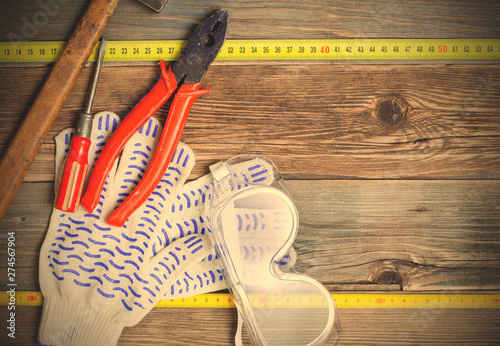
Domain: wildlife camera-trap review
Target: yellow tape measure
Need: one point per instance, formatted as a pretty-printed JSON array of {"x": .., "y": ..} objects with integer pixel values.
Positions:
[
  {"x": 343, "y": 49},
  {"x": 343, "y": 300}
]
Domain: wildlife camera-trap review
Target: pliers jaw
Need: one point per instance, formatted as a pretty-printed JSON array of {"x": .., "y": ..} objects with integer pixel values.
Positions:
[{"x": 201, "y": 49}]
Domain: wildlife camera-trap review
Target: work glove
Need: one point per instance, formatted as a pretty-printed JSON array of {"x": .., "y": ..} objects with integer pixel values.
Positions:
[{"x": 97, "y": 279}]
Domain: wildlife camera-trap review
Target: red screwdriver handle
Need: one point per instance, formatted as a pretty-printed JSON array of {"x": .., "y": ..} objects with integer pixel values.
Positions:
[
  {"x": 148, "y": 106},
  {"x": 73, "y": 175},
  {"x": 176, "y": 120}
]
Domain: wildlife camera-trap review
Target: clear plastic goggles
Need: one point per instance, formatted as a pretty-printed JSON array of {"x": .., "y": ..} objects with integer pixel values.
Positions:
[{"x": 253, "y": 225}]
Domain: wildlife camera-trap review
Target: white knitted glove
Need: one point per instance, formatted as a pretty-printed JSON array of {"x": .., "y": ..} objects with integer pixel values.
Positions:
[{"x": 97, "y": 279}]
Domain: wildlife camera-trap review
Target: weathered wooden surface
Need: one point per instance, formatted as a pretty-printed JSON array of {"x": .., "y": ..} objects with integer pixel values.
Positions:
[
  {"x": 263, "y": 19},
  {"x": 359, "y": 327},
  {"x": 420, "y": 235},
  {"x": 315, "y": 121},
  {"x": 394, "y": 167}
]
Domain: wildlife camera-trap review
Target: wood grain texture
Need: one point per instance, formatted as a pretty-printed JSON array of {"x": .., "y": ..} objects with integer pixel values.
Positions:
[
  {"x": 421, "y": 235},
  {"x": 259, "y": 19},
  {"x": 407, "y": 201},
  {"x": 314, "y": 121},
  {"x": 414, "y": 233},
  {"x": 174, "y": 326},
  {"x": 392, "y": 327}
]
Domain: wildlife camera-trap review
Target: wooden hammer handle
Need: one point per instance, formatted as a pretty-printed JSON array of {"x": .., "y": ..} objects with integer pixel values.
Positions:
[{"x": 37, "y": 123}]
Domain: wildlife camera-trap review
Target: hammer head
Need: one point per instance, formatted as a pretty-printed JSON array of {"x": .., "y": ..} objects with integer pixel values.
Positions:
[{"x": 156, "y": 5}]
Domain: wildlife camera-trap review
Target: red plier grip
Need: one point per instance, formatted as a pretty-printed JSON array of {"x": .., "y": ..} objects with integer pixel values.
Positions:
[
  {"x": 176, "y": 120},
  {"x": 148, "y": 106}
]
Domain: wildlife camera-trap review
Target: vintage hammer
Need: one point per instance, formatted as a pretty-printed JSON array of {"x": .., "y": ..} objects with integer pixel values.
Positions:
[{"x": 44, "y": 110}]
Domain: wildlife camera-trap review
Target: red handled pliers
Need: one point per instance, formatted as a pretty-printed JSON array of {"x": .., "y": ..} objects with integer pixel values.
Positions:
[{"x": 184, "y": 76}]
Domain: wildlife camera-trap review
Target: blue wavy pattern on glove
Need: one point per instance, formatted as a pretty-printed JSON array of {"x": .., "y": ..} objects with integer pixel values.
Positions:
[{"x": 110, "y": 261}]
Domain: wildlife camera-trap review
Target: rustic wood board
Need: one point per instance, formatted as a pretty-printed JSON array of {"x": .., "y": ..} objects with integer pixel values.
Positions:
[
  {"x": 421, "y": 235},
  {"x": 394, "y": 167},
  {"x": 262, "y": 19},
  {"x": 325, "y": 126}
]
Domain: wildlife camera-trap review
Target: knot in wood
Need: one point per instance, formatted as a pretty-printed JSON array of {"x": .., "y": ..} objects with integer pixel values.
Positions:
[
  {"x": 392, "y": 111},
  {"x": 389, "y": 277}
]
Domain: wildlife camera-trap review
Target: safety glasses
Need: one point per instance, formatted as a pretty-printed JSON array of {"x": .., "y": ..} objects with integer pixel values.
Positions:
[{"x": 253, "y": 226}]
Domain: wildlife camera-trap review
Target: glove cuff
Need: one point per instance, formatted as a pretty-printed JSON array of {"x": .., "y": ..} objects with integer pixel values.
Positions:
[{"x": 73, "y": 323}]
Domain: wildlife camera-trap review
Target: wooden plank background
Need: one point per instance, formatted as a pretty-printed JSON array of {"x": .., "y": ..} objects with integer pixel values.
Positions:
[{"x": 394, "y": 167}]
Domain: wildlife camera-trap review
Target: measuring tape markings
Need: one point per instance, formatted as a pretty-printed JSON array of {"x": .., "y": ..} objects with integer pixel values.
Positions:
[
  {"x": 343, "y": 300},
  {"x": 234, "y": 50}
]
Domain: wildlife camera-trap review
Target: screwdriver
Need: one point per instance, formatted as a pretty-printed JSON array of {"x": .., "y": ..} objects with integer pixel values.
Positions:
[{"x": 76, "y": 165}]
